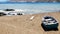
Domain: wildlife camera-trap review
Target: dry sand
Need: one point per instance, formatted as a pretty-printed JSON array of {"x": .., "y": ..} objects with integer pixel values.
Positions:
[{"x": 23, "y": 25}]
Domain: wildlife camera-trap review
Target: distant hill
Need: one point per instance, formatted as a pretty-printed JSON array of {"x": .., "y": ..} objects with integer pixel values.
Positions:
[{"x": 34, "y": 0}]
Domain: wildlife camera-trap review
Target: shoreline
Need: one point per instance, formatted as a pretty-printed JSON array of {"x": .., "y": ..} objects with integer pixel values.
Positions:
[{"x": 23, "y": 25}]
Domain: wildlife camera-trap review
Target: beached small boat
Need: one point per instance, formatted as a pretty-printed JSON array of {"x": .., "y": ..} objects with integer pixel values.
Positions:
[{"x": 49, "y": 22}]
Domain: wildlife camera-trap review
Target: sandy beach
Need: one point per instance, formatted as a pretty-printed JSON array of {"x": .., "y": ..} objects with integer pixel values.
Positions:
[{"x": 24, "y": 25}]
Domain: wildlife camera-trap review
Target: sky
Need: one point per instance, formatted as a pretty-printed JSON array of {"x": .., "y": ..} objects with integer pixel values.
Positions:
[{"x": 3, "y": 0}]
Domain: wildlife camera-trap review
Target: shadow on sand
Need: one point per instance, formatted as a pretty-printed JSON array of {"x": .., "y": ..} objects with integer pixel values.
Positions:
[{"x": 56, "y": 29}]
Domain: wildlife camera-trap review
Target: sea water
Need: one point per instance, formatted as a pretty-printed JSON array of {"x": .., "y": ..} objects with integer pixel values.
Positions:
[{"x": 32, "y": 8}]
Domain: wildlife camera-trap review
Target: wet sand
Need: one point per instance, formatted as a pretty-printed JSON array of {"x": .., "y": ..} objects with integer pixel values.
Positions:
[{"x": 24, "y": 25}]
